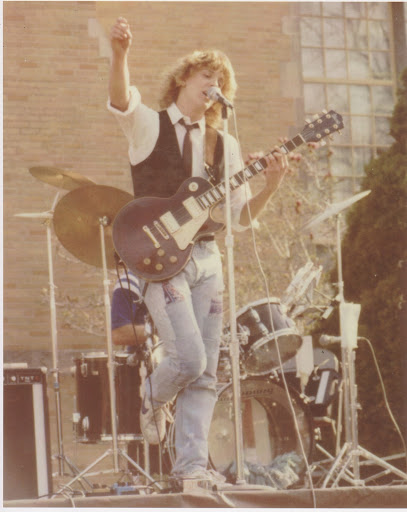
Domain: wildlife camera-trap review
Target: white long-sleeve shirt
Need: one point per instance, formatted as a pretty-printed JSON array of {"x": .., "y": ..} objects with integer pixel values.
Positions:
[{"x": 141, "y": 126}]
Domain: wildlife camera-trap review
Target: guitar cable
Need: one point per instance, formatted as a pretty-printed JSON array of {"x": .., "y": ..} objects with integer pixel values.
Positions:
[{"x": 260, "y": 266}]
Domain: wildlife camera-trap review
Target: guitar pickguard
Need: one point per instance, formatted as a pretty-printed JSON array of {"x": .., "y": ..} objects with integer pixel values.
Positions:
[{"x": 186, "y": 233}]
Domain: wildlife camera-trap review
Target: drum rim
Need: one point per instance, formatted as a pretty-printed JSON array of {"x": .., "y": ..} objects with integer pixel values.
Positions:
[
  {"x": 272, "y": 300},
  {"x": 93, "y": 355},
  {"x": 273, "y": 335},
  {"x": 295, "y": 396}
]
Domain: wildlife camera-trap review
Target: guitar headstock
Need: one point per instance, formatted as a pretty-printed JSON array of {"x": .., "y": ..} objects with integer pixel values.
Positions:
[{"x": 323, "y": 126}]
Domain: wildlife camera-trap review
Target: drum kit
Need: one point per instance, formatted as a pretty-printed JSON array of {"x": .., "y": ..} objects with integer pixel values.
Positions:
[
  {"x": 109, "y": 385},
  {"x": 82, "y": 221}
]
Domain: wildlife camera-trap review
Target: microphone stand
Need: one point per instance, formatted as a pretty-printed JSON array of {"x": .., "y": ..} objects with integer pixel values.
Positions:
[
  {"x": 347, "y": 464},
  {"x": 234, "y": 342}
]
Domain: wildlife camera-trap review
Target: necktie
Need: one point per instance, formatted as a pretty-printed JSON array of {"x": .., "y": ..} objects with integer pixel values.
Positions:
[{"x": 187, "y": 147}]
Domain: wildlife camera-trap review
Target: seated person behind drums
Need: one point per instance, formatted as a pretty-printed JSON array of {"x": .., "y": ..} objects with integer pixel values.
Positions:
[{"x": 128, "y": 313}]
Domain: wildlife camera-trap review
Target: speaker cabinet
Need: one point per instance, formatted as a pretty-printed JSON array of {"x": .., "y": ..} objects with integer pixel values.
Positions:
[{"x": 26, "y": 440}]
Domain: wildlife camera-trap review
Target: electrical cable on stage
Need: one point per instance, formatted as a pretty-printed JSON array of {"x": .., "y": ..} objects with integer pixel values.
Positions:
[
  {"x": 385, "y": 395},
  {"x": 308, "y": 472}
]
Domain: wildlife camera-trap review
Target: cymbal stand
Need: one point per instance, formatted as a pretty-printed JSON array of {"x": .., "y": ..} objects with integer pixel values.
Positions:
[
  {"x": 115, "y": 450},
  {"x": 234, "y": 342},
  {"x": 48, "y": 216},
  {"x": 351, "y": 452}
]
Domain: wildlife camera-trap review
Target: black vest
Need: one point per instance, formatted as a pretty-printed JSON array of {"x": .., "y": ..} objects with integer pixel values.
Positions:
[{"x": 162, "y": 173}]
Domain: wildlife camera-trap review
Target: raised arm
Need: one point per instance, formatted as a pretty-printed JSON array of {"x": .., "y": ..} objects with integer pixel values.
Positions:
[{"x": 119, "y": 82}]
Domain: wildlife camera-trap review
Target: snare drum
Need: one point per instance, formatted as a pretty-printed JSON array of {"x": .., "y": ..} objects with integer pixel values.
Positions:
[
  {"x": 93, "y": 397},
  {"x": 263, "y": 330}
]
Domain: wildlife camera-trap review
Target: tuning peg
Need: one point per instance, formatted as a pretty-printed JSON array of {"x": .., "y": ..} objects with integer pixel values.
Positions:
[
  {"x": 325, "y": 111},
  {"x": 308, "y": 121},
  {"x": 315, "y": 116}
]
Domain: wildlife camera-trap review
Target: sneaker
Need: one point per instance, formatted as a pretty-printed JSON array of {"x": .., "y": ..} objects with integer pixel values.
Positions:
[
  {"x": 214, "y": 479},
  {"x": 152, "y": 422}
]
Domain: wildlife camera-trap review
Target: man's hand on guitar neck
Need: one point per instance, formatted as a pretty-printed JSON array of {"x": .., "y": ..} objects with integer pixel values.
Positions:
[{"x": 277, "y": 166}]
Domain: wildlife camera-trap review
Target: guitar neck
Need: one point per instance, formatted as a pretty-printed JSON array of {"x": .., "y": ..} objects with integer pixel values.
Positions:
[{"x": 218, "y": 192}]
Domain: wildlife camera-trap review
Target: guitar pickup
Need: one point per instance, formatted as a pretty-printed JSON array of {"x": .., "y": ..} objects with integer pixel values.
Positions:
[
  {"x": 192, "y": 206},
  {"x": 170, "y": 222}
]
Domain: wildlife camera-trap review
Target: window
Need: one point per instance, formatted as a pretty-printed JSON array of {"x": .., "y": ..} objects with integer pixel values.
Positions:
[{"x": 347, "y": 65}]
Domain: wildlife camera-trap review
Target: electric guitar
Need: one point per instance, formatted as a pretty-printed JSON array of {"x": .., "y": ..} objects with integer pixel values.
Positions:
[{"x": 154, "y": 236}]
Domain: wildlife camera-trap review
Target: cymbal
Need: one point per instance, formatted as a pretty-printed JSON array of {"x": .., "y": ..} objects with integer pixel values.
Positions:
[
  {"x": 334, "y": 209},
  {"x": 78, "y": 217},
  {"x": 67, "y": 180}
]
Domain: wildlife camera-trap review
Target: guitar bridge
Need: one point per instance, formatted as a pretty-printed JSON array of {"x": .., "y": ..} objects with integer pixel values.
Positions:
[{"x": 161, "y": 230}]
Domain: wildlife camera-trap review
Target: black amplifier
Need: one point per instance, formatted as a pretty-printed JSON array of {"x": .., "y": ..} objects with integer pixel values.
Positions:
[{"x": 26, "y": 438}]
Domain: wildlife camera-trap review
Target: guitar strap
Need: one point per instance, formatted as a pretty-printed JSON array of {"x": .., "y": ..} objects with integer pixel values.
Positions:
[{"x": 213, "y": 155}]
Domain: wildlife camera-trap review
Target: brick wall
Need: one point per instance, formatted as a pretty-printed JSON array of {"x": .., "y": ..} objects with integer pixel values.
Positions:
[{"x": 55, "y": 88}]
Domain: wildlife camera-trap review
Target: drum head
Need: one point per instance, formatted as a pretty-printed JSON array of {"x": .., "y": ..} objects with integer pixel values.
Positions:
[
  {"x": 266, "y": 326},
  {"x": 262, "y": 357},
  {"x": 267, "y": 424}
]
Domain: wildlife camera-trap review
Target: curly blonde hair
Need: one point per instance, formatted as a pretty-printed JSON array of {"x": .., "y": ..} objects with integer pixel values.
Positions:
[{"x": 215, "y": 61}]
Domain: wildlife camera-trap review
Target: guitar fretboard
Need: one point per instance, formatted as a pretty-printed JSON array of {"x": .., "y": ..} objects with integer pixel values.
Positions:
[{"x": 216, "y": 194}]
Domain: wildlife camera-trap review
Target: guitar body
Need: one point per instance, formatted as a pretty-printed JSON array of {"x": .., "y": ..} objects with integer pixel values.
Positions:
[{"x": 155, "y": 236}]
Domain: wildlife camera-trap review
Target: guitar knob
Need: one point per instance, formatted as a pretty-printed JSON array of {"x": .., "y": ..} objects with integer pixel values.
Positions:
[
  {"x": 160, "y": 252},
  {"x": 146, "y": 261},
  {"x": 159, "y": 266},
  {"x": 173, "y": 259}
]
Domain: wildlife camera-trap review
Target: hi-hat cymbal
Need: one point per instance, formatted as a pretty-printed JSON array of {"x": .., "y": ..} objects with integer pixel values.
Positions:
[
  {"x": 77, "y": 220},
  {"x": 67, "y": 180},
  {"x": 334, "y": 209}
]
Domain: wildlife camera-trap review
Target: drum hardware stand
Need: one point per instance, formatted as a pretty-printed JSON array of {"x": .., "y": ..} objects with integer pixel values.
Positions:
[
  {"x": 60, "y": 456},
  {"x": 115, "y": 451},
  {"x": 349, "y": 455},
  {"x": 234, "y": 342}
]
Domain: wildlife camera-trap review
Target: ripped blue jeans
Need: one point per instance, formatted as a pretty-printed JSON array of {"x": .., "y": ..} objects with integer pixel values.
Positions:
[{"x": 187, "y": 312}]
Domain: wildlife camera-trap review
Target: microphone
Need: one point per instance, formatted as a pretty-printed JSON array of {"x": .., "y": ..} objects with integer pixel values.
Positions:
[
  {"x": 214, "y": 93},
  {"x": 326, "y": 340}
]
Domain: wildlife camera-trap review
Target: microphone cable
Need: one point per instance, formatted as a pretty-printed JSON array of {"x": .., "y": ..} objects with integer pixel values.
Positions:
[
  {"x": 385, "y": 395},
  {"x": 260, "y": 266}
]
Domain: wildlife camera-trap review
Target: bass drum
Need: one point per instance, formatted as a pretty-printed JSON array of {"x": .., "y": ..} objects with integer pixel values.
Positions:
[{"x": 267, "y": 424}]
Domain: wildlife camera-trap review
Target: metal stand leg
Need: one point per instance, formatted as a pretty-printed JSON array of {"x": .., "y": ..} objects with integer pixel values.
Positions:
[
  {"x": 351, "y": 452},
  {"x": 115, "y": 451},
  {"x": 54, "y": 371}
]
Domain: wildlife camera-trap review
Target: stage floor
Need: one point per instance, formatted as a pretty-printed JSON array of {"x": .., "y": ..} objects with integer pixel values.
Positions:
[{"x": 238, "y": 497}]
